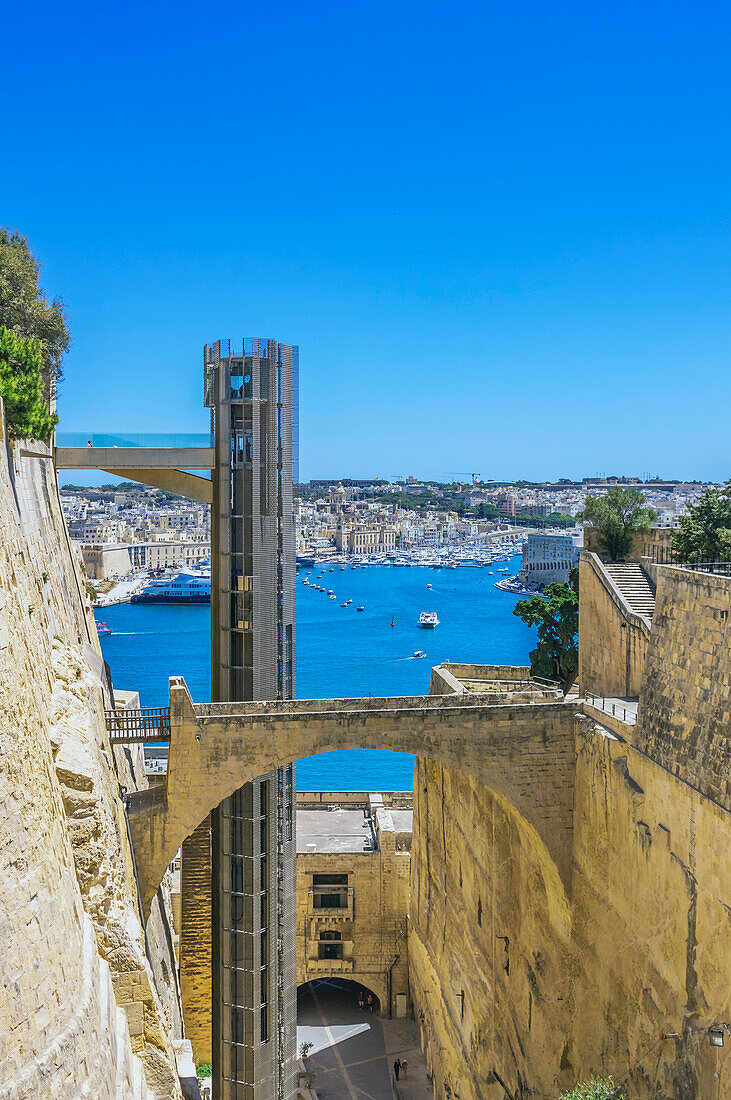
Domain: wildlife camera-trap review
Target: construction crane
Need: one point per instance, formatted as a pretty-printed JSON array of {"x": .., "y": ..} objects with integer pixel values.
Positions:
[{"x": 464, "y": 473}]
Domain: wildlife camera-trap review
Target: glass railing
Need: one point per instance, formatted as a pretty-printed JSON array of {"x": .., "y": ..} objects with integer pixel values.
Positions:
[{"x": 134, "y": 439}]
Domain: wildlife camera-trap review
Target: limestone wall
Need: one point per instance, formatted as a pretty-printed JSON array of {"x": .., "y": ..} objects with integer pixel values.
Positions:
[
  {"x": 525, "y": 990},
  {"x": 613, "y": 640},
  {"x": 79, "y": 1007},
  {"x": 684, "y": 719}
]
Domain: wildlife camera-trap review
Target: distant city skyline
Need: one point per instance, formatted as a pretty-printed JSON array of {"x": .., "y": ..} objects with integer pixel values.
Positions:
[{"x": 499, "y": 235}]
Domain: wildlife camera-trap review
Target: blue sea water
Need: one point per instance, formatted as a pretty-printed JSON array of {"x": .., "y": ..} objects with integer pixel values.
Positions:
[{"x": 341, "y": 652}]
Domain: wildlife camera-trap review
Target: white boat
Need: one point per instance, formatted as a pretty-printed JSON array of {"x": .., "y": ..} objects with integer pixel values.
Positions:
[
  {"x": 419, "y": 653},
  {"x": 332, "y": 597},
  {"x": 428, "y": 619},
  {"x": 103, "y": 629},
  {"x": 360, "y": 609}
]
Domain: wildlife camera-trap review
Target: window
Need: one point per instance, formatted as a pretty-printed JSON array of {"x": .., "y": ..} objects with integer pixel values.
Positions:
[{"x": 330, "y": 946}]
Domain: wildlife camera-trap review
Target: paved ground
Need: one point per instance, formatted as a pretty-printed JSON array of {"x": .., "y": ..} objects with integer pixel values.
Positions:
[{"x": 354, "y": 1051}]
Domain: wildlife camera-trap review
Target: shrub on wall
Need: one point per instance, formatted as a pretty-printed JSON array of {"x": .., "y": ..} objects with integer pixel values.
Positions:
[
  {"x": 21, "y": 387},
  {"x": 597, "y": 1088}
]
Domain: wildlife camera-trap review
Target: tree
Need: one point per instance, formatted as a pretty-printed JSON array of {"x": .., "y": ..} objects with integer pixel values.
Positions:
[
  {"x": 596, "y": 1088},
  {"x": 556, "y": 614},
  {"x": 23, "y": 308},
  {"x": 705, "y": 533},
  {"x": 22, "y": 390},
  {"x": 616, "y": 516}
]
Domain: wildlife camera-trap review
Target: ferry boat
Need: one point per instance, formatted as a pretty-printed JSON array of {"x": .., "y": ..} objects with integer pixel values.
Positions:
[
  {"x": 184, "y": 585},
  {"x": 428, "y": 619}
]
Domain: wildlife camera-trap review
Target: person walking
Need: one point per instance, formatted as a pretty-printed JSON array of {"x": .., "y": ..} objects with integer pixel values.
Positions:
[
  {"x": 404, "y": 1067},
  {"x": 396, "y": 1068}
]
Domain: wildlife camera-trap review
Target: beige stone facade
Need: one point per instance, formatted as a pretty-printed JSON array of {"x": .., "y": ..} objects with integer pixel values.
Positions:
[
  {"x": 353, "y": 864},
  {"x": 82, "y": 1009}
]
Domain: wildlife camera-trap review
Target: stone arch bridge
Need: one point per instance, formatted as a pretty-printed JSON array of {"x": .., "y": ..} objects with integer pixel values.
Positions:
[{"x": 523, "y": 750}]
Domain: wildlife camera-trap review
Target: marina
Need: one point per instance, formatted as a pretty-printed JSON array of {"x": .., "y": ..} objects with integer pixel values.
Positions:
[{"x": 340, "y": 653}]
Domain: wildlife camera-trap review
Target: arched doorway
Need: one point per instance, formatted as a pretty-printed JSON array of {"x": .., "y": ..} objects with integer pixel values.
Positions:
[{"x": 340, "y": 1030}]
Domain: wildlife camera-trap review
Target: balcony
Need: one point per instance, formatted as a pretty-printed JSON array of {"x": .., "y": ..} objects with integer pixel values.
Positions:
[{"x": 330, "y": 903}]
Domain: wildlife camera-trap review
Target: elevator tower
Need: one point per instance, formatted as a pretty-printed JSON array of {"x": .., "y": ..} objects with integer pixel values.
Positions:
[{"x": 252, "y": 394}]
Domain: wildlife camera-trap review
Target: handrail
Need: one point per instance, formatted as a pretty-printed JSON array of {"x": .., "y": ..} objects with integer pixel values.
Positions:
[
  {"x": 148, "y": 724},
  {"x": 609, "y": 706}
]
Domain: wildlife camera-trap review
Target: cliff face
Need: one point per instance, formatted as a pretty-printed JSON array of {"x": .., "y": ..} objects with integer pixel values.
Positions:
[
  {"x": 82, "y": 1010},
  {"x": 526, "y": 990}
]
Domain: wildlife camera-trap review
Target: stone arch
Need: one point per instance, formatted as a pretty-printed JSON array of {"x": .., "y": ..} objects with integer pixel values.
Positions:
[
  {"x": 371, "y": 984},
  {"x": 524, "y": 751}
]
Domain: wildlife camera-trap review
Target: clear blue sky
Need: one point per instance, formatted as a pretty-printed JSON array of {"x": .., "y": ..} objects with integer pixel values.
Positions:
[{"x": 499, "y": 232}]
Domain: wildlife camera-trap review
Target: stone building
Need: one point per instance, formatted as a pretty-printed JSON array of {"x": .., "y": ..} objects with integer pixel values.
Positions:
[
  {"x": 353, "y": 863},
  {"x": 547, "y": 559}
]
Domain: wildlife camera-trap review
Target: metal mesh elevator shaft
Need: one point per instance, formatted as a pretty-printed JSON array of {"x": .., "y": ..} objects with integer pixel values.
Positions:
[{"x": 253, "y": 398}]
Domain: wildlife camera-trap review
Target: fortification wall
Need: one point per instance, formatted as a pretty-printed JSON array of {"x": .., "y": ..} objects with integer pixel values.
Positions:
[
  {"x": 80, "y": 1012},
  {"x": 613, "y": 640},
  {"x": 525, "y": 991},
  {"x": 684, "y": 714}
]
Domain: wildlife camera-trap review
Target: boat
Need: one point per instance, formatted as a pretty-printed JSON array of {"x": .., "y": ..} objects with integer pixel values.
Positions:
[
  {"x": 360, "y": 609},
  {"x": 428, "y": 586},
  {"x": 103, "y": 629},
  {"x": 345, "y": 604},
  {"x": 332, "y": 597},
  {"x": 182, "y": 585},
  {"x": 428, "y": 619},
  {"x": 419, "y": 653},
  {"x": 329, "y": 591}
]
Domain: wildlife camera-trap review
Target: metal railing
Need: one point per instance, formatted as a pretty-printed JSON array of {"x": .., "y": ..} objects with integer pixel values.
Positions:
[
  {"x": 149, "y": 724},
  {"x": 610, "y": 706},
  {"x": 723, "y": 568}
]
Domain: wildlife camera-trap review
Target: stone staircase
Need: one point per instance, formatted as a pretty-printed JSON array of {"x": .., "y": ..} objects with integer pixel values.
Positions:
[{"x": 633, "y": 584}]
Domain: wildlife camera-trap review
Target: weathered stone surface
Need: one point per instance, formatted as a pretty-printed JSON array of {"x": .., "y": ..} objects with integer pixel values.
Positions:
[
  {"x": 68, "y": 914},
  {"x": 684, "y": 720}
]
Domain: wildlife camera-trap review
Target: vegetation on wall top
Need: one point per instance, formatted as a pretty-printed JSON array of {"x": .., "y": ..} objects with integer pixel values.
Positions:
[
  {"x": 705, "y": 533},
  {"x": 24, "y": 310},
  {"x": 22, "y": 388},
  {"x": 616, "y": 516}
]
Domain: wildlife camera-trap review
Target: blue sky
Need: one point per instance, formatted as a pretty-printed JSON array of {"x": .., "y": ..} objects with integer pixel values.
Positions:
[{"x": 498, "y": 232}]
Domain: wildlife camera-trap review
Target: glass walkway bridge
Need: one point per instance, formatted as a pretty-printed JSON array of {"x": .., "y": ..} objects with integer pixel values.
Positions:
[{"x": 168, "y": 460}]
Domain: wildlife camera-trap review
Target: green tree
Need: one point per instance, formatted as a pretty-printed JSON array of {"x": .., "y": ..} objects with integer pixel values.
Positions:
[
  {"x": 23, "y": 308},
  {"x": 616, "y": 516},
  {"x": 21, "y": 388},
  {"x": 705, "y": 533},
  {"x": 556, "y": 614},
  {"x": 596, "y": 1088}
]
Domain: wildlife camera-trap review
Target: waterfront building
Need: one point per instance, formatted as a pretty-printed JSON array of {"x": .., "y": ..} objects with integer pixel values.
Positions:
[
  {"x": 547, "y": 559},
  {"x": 367, "y": 538}
]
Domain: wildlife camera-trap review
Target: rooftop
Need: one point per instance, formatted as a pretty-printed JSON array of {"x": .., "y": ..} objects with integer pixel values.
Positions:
[{"x": 333, "y": 831}]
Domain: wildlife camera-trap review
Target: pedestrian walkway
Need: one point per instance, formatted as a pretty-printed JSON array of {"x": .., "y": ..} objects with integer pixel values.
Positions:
[
  {"x": 353, "y": 1051},
  {"x": 401, "y": 1040}
]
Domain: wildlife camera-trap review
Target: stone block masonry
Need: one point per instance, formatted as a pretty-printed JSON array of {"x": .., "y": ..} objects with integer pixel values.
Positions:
[
  {"x": 684, "y": 718},
  {"x": 72, "y": 941}
]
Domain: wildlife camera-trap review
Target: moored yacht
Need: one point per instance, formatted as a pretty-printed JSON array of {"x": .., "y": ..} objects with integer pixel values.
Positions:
[{"x": 184, "y": 585}]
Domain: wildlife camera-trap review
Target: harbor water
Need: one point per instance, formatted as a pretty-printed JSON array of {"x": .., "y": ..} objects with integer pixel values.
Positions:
[{"x": 341, "y": 652}]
